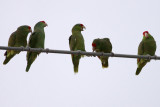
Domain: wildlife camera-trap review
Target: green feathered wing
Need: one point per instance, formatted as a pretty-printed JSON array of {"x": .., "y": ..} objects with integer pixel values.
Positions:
[
  {"x": 103, "y": 45},
  {"x": 17, "y": 39},
  {"x": 146, "y": 47},
  {"x": 106, "y": 47},
  {"x": 76, "y": 42},
  {"x": 36, "y": 40}
]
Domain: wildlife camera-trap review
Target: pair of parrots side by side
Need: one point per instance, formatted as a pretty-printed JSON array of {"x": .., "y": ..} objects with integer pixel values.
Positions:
[
  {"x": 146, "y": 47},
  {"x": 19, "y": 38},
  {"x": 76, "y": 42}
]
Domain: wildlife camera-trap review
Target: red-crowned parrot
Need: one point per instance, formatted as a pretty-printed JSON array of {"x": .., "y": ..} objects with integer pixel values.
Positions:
[
  {"x": 102, "y": 45},
  {"x": 146, "y": 47},
  {"x": 76, "y": 42},
  {"x": 36, "y": 40},
  {"x": 17, "y": 39}
]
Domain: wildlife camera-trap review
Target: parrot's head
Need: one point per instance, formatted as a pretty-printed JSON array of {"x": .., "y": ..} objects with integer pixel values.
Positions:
[
  {"x": 78, "y": 27},
  {"x": 44, "y": 23},
  {"x": 95, "y": 44},
  {"x": 40, "y": 24},
  {"x": 25, "y": 28},
  {"x": 146, "y": 34}
]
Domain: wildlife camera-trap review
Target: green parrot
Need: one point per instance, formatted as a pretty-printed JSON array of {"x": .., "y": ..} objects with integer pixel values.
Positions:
[
  {"x": 76, "y": 42},
  {"x": 102, "y": 45},
  {"x": 146, "y": 47},
  {"x": 36, "y": 40},
  {"x": 17, "y": 39}
]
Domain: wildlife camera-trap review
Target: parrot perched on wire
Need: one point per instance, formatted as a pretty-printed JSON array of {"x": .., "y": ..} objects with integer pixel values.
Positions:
[
  {"x": 17, "y": 39},
  {"x": 76, "y": 42},
  {"x": 36, "y": 40},
  {"x": 102, "y": 45},
  {"x": 146, "y": 47}
]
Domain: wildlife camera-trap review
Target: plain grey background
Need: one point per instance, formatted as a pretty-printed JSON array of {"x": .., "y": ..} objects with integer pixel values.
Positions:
[{"x": 51, "y": 81}]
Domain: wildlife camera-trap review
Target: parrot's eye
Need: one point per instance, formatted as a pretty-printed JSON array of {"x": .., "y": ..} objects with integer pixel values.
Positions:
[{"x": 93, "y": 44}]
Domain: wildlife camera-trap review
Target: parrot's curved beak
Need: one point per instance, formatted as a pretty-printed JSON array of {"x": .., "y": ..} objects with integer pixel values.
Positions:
[
  {"x": 93, "y": 48},
  {"x": 146, "y": 35},
  {"x": 31, "y": 30},
  {"x": 46, "y": 24},
  {"x": 83, "y": 27}
]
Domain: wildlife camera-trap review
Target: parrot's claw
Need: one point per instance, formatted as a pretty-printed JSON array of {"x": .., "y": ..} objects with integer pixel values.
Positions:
[
  {"x": 149, "y": 57},
  {"x": 79, "y": 52},
  {"x": 47, "y": 50},
  {"x": 22, "y": 47},
  {"x": 28, "y": 48},
  {"x": 40, "y": 50}
]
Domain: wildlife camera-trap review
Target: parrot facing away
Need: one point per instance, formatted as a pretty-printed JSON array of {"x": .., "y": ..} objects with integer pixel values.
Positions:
[
  {"x": 102, "y": 45},
  {"x": 36, "y": 40},
  {"x": 17, "y": 39},
  {"x": 146, "y": 47},
  {"x": 76, "y": 42}
]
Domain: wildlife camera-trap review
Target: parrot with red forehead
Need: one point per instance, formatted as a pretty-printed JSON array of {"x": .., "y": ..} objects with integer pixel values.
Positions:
[
  {"x": 36, "y": 40},
  {"x": 76, "y": 42},
  {"x": 17, "y": 39},
  {"x": 102, "y": 45},
  {"x": 146, "y": 47}
]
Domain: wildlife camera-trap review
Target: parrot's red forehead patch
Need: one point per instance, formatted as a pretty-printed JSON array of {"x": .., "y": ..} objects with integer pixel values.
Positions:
[
  {"x": 145, "y": 32},
  {"x": 93, "y": 44},
  {"x": 29, "y": 27},
  {"x": 82, "y": 25},
  {"x": 43, "y": 21}
]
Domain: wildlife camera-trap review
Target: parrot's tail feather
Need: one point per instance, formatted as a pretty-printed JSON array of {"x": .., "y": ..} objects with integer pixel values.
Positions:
[
  {"x": 140, "y": 66},
  {"x": 76, "y": 64},
  {"x": 105, "y": 64},
  {"x": 104, "y": 61},
  {"x": 138, "y": 71},
  {"x": 75, "y": 69},
  {"x": 28, "y": 67},
  {"x": 8, "y": 59},
  {"x": 30, "y": 59},
  {"x": 75, "y": 60}
]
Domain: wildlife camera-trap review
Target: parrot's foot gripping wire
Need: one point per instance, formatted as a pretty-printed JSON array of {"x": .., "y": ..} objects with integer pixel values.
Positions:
[
  {"x": 79, "y": 52},
  {"x": 149, "y": 57},
  {"x": 102, "y": 53},
  {"x": 22, "y": 48},
  {"x": 47, "y": 50},
  {"x": 29, "y": 49}
]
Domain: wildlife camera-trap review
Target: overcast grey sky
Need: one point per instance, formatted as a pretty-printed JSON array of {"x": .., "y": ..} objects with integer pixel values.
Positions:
[{"x": 51, "y": 81}]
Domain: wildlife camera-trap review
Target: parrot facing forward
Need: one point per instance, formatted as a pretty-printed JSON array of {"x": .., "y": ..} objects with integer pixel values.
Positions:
[
  {"x": 36, "y": 40},
  {"x": 102, "y": 45},
  {"x": 17, "y": 39},
  {"x": 76, "y": 42},
  {"x": 146, "y": 47}
]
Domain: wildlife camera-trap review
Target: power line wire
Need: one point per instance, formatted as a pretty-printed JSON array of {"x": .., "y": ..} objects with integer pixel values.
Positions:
[{"x": 47, "y": 50}]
